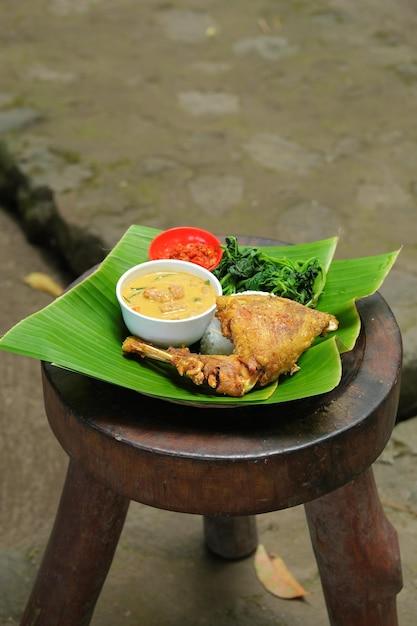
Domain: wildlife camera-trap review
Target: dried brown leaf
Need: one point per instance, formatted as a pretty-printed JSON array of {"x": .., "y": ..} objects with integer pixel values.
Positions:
[
  {"x": 264, "y": 26},
  {"x": 43, "y": 282},
  {"x": 276, "y": 577}
]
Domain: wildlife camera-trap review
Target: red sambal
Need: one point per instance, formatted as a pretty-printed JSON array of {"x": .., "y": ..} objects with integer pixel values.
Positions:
[{"x": 194, "y": 252}]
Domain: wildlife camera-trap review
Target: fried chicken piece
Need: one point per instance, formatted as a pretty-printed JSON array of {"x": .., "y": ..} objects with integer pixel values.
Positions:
[
  {"x": 228, "y": 375},
  {"x": 269, "y": 334}
]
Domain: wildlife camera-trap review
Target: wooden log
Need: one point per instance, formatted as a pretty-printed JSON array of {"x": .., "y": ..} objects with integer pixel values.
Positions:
[
  {"x": 89, "y": 520},
  {"x": 231, "y": 537},
  {"x": 357, "y": 553}
]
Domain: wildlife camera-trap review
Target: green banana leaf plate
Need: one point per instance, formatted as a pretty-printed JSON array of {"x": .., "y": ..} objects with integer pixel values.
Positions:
[{"x": 83, "y": 330}]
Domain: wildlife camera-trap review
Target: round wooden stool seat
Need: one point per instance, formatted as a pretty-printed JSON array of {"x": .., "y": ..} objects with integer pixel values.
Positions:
[
  {"x": 229, "y": 464},
  {"x": 234, "y": 461}
]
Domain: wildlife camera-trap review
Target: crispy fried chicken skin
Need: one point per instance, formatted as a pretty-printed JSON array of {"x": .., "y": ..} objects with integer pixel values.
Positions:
[
  {"x": 269, "y": 335},
  {"x": 227, "y": 375}
]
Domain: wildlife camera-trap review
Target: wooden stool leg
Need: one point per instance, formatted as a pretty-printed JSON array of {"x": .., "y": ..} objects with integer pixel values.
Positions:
[
  {"x": 231, "y": 537},
  {"x": 357, "y": 554},
  {"x": 87, "y": 527}
]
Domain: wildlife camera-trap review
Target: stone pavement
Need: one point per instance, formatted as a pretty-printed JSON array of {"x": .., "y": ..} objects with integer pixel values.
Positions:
[
  {"x": 301, "y": 113},
  {"x": 293, "y": 120}
]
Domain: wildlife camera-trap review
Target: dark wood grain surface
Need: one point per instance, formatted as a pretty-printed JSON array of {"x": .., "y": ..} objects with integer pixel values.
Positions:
[
  {"x": 80, "y": 550},
  {"x": 357, "y": 553}
]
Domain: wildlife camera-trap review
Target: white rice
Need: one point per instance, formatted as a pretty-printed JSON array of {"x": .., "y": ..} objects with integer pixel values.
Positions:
[{"x": 213, "y": 341}]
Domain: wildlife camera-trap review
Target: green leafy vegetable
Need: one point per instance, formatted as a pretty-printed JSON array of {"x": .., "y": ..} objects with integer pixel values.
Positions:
[{"x": 244, "y": 269}]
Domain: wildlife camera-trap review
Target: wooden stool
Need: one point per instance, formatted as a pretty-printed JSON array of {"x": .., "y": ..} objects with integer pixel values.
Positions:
[{"x": 228, "y": 465}]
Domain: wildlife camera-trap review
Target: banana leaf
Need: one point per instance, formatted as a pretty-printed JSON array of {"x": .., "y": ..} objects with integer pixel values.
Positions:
[
  {"x": 348, "y": 280},
  {"x": 82, "y": 330}
]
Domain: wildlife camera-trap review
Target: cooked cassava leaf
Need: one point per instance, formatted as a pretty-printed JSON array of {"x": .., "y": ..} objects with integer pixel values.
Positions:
[{"x": 251, "y": 269}]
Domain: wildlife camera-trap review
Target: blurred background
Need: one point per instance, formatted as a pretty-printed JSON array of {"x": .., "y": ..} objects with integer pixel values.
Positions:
[{"x": 289, "y": 120}]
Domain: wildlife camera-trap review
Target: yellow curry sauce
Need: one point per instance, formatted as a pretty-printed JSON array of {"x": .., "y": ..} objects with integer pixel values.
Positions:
[{"x": 169, "y": 295}]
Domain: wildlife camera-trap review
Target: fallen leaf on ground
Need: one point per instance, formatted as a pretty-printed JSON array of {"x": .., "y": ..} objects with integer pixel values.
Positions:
[
  {"x": 43, "y": 282},
  {"x": 263, "y": 25},
  {"x": 211, "y": 31},
  {"x": 276, "y": 577}
]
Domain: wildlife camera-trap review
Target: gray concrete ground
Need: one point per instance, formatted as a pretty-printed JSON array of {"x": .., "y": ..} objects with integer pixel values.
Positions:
[{"x": 293, "y": 120}]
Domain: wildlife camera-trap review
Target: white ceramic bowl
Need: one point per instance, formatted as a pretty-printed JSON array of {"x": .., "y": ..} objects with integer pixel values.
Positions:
[{"x": 166, "y": 333}]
